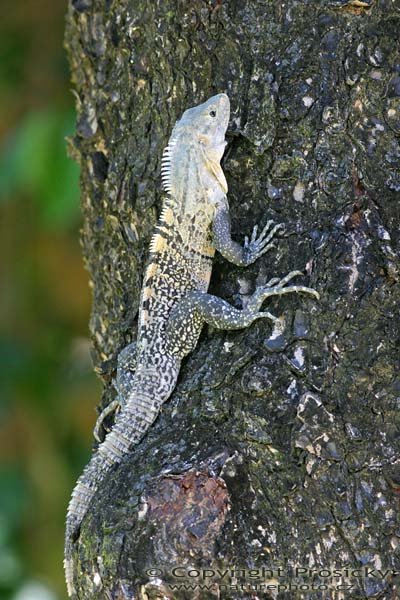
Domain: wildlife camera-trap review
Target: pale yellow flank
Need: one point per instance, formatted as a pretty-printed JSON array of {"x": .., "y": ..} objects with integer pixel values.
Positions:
[
  {"x": 158, "y": 243},
  {"x": 168, "y": 216},
  {"x": 148, "y": 292},
  {"x": 152, "y": 270}
]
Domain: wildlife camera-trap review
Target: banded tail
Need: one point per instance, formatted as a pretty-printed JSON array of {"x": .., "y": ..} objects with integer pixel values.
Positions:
[{"x": 133, "y": 422}]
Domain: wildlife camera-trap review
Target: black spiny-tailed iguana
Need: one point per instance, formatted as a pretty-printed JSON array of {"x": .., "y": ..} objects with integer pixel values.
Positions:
[{"x": 174, "y": 302}]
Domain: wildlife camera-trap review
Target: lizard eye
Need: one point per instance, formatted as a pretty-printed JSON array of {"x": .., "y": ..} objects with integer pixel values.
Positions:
[{"x": 213, "y": 113}]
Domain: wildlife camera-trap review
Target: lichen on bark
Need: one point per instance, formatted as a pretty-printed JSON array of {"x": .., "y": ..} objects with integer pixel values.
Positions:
[{"x": 299, "y": 448}]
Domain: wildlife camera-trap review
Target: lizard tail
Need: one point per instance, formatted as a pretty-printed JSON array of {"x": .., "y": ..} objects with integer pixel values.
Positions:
[
  {"x": 131, "y": 425},
  {"x": 87, "y": 484}
]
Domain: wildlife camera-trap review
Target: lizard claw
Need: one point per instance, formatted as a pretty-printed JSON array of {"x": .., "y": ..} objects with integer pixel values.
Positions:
[
  {"x": 276, "y": 287},
  {"x": 257, "y": 246},
  {"x": 254, "y": 234}
]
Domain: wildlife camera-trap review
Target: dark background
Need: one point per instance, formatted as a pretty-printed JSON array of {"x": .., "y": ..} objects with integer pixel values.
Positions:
[{"x": 48, "y": 389}]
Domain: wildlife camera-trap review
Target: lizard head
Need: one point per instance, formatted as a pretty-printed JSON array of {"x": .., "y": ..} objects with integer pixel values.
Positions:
[
  {"x": 199, "y": 134},
  {"x": 208, "y": 123}
]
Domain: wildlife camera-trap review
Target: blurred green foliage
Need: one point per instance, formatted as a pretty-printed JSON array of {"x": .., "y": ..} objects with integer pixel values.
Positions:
[
  {"x": 48, "y": 391},
  {"x": 34, "y": 161}
]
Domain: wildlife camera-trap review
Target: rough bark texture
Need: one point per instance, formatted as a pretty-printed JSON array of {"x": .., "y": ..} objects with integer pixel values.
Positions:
[{"x": 259, "y": 459}]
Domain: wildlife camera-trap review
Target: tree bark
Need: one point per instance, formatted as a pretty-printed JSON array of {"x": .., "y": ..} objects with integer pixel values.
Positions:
[{"x": 267, "y": 459}]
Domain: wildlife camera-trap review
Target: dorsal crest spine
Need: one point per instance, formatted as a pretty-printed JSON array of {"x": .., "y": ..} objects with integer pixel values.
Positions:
[{"x": 166, "y": 165}]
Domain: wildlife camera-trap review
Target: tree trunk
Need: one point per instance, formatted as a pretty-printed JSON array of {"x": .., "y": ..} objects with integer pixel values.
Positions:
[{"x": 274, "y": 457}]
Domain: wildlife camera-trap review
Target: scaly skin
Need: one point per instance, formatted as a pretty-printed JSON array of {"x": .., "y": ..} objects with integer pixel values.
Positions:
[{"x": 174, "y": 302}]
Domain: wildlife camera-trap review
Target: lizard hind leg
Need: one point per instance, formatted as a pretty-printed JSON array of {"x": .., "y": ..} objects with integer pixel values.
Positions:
[
  {"x": 197, "y": 307},
  {"x": 100, "y": 427},
  {"x": 276, "y": 287},
  {"x": 124, "y": 384}
]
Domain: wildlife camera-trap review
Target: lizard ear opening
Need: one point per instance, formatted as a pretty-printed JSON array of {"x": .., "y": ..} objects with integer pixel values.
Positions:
[
  {"x": 204, "y": 139},
  {"x": 212, "y": 113}
]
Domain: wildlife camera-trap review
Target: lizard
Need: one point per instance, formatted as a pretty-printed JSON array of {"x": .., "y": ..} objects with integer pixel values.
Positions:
[{"x": 175, "y": 303}]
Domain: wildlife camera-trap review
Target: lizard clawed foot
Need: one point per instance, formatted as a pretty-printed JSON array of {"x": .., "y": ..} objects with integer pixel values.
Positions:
[
  {"x": 257, "y": 246},
  {"x": 276, "y": 287},
  {"x": 99, "y": 428},
  {"x": 123, "y": 384}
]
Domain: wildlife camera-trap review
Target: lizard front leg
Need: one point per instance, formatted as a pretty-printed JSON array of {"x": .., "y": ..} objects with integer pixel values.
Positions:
[
  {"x": 234, "y": 252},
  {"x": 197, "y": 307}
]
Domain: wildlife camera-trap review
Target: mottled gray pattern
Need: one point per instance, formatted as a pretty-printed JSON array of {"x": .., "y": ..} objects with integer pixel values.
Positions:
[{"x": 174, "y": 300}]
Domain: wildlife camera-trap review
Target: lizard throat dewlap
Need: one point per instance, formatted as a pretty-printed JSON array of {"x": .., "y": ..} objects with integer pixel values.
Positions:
[{"x": 174, "y": 306}]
